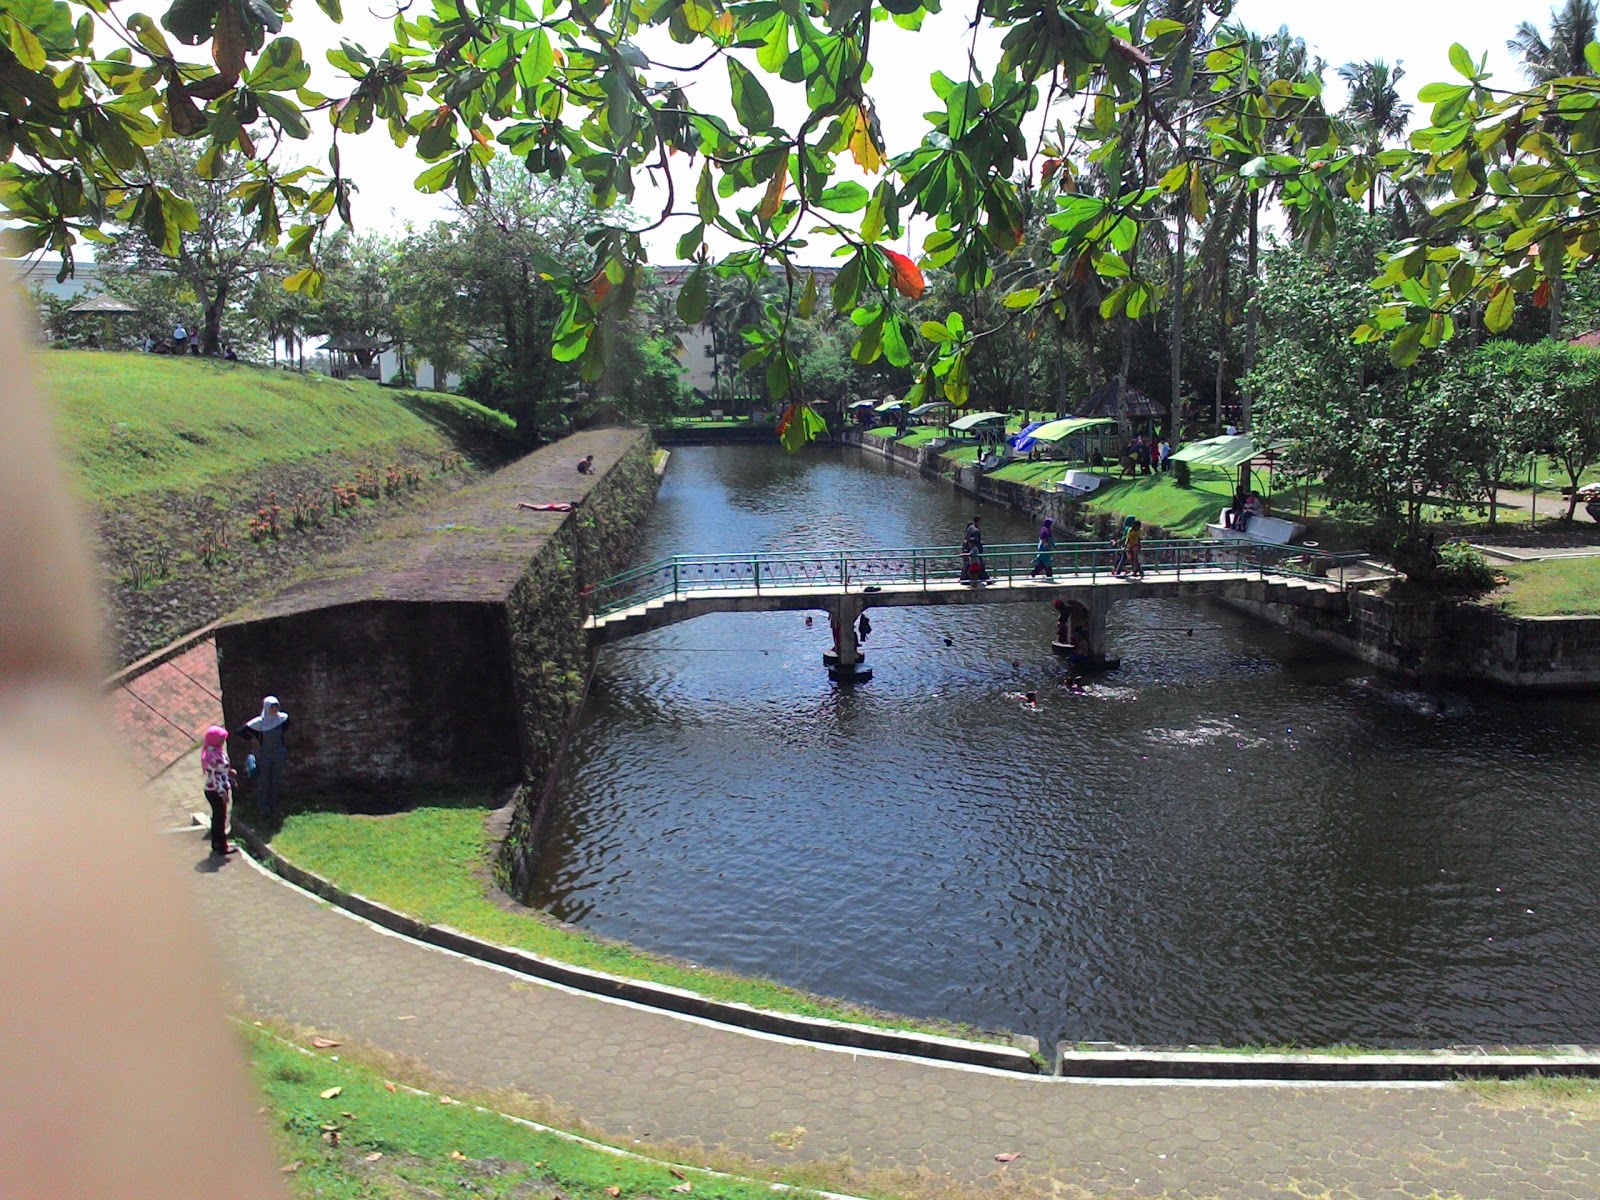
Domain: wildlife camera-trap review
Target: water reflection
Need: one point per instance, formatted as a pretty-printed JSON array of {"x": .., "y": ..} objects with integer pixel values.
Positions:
[{"x": 1236, "y": 838}]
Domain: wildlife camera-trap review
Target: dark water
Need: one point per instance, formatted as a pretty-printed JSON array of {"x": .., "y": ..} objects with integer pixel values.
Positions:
[{"x": 1239, "y": 838}]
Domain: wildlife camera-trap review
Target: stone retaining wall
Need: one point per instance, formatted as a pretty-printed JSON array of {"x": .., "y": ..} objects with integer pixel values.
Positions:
[
  {"x": 450, "y": 649},
  {"x": 1427, "y": 640},
  {"x": 1437, "y": 641}
]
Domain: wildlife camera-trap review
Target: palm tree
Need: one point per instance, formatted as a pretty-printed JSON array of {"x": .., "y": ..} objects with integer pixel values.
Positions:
[
  {"x": 735, "y": 302},
  {"x": 1572, "y": 27},
  {"x": 1236, "y": 202},
  {"x": 1375, "y": 112}
]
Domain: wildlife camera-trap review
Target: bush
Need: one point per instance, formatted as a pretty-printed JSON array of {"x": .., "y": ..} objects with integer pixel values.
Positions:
[{"x": 1460, "y": 566}]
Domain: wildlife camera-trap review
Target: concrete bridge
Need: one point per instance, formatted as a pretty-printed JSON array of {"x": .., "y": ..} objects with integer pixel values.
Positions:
[{"x": 845, "y": 583}]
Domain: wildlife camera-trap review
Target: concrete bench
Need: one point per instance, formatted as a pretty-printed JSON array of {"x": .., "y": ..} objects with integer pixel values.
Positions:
[
  {"x": 1257, "y": 529},
  {"x": 1078, "y": 483}
]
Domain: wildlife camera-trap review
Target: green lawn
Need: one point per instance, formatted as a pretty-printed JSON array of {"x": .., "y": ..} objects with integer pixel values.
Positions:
[
  {"x": 134, "y": 424},
  {"x": 366, "y": 1140},
  {"x": 431, "y": 862},
  {"x": 1552, "y": 588}
]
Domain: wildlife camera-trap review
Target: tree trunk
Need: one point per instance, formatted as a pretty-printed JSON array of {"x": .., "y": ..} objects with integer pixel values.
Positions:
[
  {"x": 1175, "y": 402},
  {"x": 1558, "y": 290},
  {"x": 1222, "y": 349},
  {"x": 1061, "y": 369},
  {"x": 1252, "y": 282},
  {"x": 211, "y": 334}
]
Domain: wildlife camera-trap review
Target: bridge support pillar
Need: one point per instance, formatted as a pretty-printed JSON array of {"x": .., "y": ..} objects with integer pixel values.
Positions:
[
  {"x": 1099, "y": 608},
  {"x": 846, "y": 665}
]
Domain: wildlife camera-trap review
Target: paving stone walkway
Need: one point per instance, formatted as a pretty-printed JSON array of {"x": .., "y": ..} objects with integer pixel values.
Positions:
[{"x": 638, "y": 1074}]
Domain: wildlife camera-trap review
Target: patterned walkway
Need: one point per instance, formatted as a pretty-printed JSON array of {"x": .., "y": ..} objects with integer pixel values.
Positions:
[{"x": 645, "y": 1076}]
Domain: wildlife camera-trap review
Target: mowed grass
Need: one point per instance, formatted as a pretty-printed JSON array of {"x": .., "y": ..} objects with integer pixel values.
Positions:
[
  {"x": 134, "y": 424},
  {"x": 1556, "y": 587},
  {"x": 432, "y": 863},
  {"x": 368, "y": 1141}
]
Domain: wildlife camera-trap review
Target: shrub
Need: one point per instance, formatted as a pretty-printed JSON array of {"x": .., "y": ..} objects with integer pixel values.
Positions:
[
  {"x": 1460, "y": 566},
  {"x": 305, "y": 511}
]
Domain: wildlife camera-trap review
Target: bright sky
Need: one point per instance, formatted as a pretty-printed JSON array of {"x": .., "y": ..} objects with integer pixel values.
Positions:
[{"x": 1416, "y": 33}]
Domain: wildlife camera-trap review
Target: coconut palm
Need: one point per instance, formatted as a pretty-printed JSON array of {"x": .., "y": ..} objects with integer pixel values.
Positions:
[
  {"x": 1236, "y": 202},
  {"x": 1572, "y": 27},
  {"x": 1374, "y": 112}
]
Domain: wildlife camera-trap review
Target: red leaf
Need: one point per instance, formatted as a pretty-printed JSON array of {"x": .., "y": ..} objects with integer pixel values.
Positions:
[
  {"x": 908, "y": 279},
  {"x": 1541, "y": 294},
  {"x": 322, "y": 1043},
  {"x": 1008, "y": 1156}
]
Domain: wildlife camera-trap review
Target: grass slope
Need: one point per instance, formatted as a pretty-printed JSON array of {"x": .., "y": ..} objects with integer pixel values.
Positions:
[
  {"x": 139, "y": 423},
  {"x": 432, "y": 862}
]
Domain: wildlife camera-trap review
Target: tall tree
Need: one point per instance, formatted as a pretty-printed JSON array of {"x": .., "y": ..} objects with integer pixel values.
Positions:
[
  {"x": 1376, "y": 114},
  {"x": 212, "y": 248}
]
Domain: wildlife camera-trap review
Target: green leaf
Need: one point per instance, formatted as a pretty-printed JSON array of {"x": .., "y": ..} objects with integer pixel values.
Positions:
[
  {"x": 1462, "y": 61},
  {"x": 846, "y": 196},
  {"x": 1501, "y": 308},
  {"x": 1433, "y": 93},
  {"x": 894, "y": 342},
  {"x": 1021, "y": 299},
  {"x": 808, "y": 297},
  {"x": 692, "y": 298},
  {"x": 537, "y": 60},
  {"x": 1591, "y": 55},
  {"x": 1175, "y": 178},
  {"x": 307, "y": 281},
  {"x": 280, "y": 67},
  {"x": 750, "y": 100},
  {"x": 937, "y": 333},
  {"x": 192, "y": 21},
  {"x": 437, "y": 177},
  {"x": 24, "y": 44},
  {"x": 1407, "y": 345}
]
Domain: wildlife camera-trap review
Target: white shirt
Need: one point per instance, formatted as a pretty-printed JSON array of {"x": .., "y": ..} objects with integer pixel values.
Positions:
[{"x": 178, "y": 334}]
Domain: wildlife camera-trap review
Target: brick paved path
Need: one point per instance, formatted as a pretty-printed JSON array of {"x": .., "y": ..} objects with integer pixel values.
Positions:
[
  {"x": 162, "y": 713},
  {"x": 639, "y": 1074}
]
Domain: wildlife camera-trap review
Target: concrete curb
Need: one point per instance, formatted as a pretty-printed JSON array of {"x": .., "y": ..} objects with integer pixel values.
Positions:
[
  {"x": 1472, "y": 1062},
  {"x": 997, "y": 1056}
]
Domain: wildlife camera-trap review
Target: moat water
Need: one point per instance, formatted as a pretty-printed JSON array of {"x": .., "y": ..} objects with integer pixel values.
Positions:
[{"x": 1238, "y": 838}]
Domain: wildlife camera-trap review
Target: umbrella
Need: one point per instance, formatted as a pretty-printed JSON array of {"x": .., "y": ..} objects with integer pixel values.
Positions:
[
  {"x": 889, "y": 406},
  {"x": 863, "y": 404},
  {"x": 923, "y": 410}
]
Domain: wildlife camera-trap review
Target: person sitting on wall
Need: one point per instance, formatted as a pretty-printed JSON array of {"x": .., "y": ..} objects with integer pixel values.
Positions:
[{"x": 586, "y": 465}]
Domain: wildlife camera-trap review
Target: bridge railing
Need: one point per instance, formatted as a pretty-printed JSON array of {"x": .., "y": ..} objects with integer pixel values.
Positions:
[{"x": 684, "y": 575}]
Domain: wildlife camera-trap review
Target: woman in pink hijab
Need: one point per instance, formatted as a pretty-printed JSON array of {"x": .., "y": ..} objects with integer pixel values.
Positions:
[{"x": 218, "y": 777}]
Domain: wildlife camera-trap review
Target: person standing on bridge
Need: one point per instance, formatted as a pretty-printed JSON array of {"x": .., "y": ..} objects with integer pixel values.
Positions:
[
  {"x": 972, "y": 568},
  {"x": 1131, "y": 548},
  {"x": 1044, "y": 561}
]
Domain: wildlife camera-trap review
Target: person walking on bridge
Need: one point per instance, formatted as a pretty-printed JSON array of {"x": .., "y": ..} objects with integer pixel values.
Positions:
[{"x": 1044, "y": 561}]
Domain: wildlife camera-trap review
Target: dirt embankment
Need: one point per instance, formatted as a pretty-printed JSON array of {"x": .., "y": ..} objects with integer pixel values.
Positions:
[{"x": 171, "y": 562}]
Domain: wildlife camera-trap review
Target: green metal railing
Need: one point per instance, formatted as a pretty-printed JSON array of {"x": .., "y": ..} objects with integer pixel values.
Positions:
[{"x": 846, "y": 570}]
